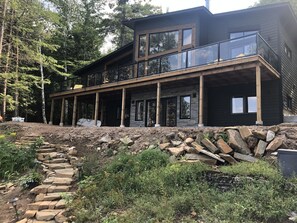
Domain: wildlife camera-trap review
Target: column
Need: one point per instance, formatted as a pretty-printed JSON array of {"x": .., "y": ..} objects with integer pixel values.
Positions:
[
  {"x": 74, "y": 111},
  {"x": 123, "y": 108},
  {"x": 62, "y": 112},
  {"x": 259, "y": 97},
  {"x": 52, "y": 112},
  {"x": 201, "y": 88},
  {"x": 96, "y": 108},
  {"x": 158, "y": 105}
]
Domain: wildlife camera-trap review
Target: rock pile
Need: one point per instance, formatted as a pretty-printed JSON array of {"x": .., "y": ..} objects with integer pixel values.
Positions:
[
  {"x": 58, "y": 163},
  {"x": 227, "y": 146}
]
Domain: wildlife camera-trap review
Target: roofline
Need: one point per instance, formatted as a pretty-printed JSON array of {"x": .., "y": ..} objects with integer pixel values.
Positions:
[
  {"x": 129, "y": 23},
  {"x": 77, "y": 72}
]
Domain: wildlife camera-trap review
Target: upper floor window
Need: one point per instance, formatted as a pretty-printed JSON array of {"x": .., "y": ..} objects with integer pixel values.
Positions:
[
  {"x": 142, "y": 46},
  {"x": 187, "y": 37},
  {"x": 288, "y": 52},
  {"x": 241, "y": 34},
  {"x": 289, "y": 102},
  {"x": 159, "y": 42}
]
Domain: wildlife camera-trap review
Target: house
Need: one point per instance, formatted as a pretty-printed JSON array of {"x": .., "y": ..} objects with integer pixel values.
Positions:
[{"x": 191, "y": 68}]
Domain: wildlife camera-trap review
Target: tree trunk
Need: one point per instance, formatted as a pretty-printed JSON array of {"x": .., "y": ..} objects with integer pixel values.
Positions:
[
  {"x": 16, "y": 95},
  {"x": 42, "y": 86},
  {"x": 3, "y": 26}
]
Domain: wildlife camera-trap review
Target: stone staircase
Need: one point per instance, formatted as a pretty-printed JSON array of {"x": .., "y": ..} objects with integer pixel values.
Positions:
[{"x": 58, "y": 163}]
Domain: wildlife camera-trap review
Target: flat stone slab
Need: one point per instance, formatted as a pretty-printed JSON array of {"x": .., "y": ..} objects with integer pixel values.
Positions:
[
  {"x": 46, "y": 215},
  {"x": 58, "y": 180},
  {"x": 224, "y": 147},
  {"x": 60, "y": 204},
  {"x": 57, "y": 160},
  {"x": 40, "y": 205},
  {"x": 30, "y": 213},
  {"x": 243, "y": 157},
  {"x": 40, "y": 189},
  {"x": 55, "y": 166},
  {"x": 55, "y": 189},
  {"x": 46, "y": 150},
  {"x": 228, "y": 158},
  {"x": 69, "y": 172}
]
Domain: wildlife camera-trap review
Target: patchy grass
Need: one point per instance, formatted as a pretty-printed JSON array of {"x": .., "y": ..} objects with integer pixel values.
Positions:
[{"x": 147, "y": 188}]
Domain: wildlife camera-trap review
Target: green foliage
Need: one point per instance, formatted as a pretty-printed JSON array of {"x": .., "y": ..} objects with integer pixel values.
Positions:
[
  {"x": 30, "y": 180},
  {"x": 15, "y": 160},
  {"x": 147, "y": 188}
]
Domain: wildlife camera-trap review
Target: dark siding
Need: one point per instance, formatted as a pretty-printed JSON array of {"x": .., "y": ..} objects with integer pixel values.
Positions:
[
  {"x": 288, "y": 67},
  {"x": 219, "y": 104}
]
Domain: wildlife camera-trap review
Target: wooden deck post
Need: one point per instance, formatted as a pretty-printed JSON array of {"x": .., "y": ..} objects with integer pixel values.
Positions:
[
  {"x": 62, "y": 112},
  {"x": 201, "y": 83},
  {"x": 158, "y": 105},
  {"x": 123, "y": 108},
  {"x": 96, "y": 108},
  {"x": 52, "y": 112},
  {"x": 74, "y": 111},
  {"x": 258, "y": 94}
]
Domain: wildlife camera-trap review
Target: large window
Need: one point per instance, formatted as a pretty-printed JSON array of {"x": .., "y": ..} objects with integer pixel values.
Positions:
[
  {"x": 241, "y": 105},
  {"x": 142, "y": 46},
  {"x": 139, "y": 111},
  {"x": 187, "y": 37},
  {"x": 160, "y": 42},
  {"x": 185, "y": 107},
  {"x": 234, "y": 35}
]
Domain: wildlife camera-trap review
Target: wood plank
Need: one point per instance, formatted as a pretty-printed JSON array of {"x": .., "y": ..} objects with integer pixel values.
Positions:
[
  {"x": 52, "y": 112},
  {"x": 62, "y": 112},
  {"x": 96, "y": 108},
  {"x": 74, "y": 111},
  {"x": 201, "y": 92},
  {"x": 123, "y": 108},
  {"x": 259, "y": 97},
  {"x": 158, "y": 105}
]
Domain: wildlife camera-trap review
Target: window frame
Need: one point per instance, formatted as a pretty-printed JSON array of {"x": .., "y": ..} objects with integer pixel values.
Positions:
[
  {"x": 243, "y": 107},
  {"x": 183, "y": 37},
  {"x": 245, "y": 104},
  {"x": 139, "y": 45},
  {"x": 158, "y": 35},
  {"x": 136, "y": 110},
  {"x": 180, "y": 106},
  {"x": 288, "y": 51}
]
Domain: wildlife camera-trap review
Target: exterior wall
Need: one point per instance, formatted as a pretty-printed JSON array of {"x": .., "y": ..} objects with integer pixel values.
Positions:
[
  {"x": 165, "y": 93},
  {"x": 288, "y": 69},
  {"x": 220, "y": 113}
]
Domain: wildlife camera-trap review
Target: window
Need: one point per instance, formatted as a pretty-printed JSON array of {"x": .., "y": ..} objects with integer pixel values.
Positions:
[
  {"x": 242, "y": 105},
  {"x": 288, "y": 52},
  {"x": 237, "y": 105},
  {"x": 142, "y": 46},
  {"x": 289, "y": 102},
  {"x": 185, "y": 107},
  {"x": 139, "y": 111},
  {"x": 160, "y": 42},
  {"x": 241, "y": 34},
  {"x": 187, "y": 37},
  {"x": 252, "y": 104}
]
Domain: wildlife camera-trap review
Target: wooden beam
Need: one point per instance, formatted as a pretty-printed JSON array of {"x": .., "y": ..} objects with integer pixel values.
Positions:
[
  {"x": 62, "y": 112},
  {"x": 259, "y": 97},
  {"x": 96, "y": 108},
  {"x": 74, "y": 111},
  {"x": 158, "y": 105},
  {"x": 201, "y": 91},
  {"x": 102, "y": 112},
  {"x": 123, "y": 108},
  {"x": 52, "y": 112}
]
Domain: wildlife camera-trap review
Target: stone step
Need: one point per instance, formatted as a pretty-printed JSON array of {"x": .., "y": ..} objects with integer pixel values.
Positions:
[
  {"x": 46, "y": 215},
  {"x": 57, "y": 160},
  {"x": 55, "y": 166},
  {"x": 55, "y": 189},
  {"x": 52, "y": 196},
  {"x": 69, "y": 172},
  {"x": 46, "y": 150},
  {"x": 58, "y": 180},
  {"x": 49, "y": 156}
]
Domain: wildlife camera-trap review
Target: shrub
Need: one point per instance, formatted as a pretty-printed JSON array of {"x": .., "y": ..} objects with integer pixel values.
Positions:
[{"x": 30, "y": 180}]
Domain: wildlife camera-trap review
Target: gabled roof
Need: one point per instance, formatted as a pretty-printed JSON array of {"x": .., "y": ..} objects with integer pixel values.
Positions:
[{"x": 104, "y": 59}]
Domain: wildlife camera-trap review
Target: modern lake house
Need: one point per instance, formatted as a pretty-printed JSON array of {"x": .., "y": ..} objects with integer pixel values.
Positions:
[{"x": 191, "y": 68}]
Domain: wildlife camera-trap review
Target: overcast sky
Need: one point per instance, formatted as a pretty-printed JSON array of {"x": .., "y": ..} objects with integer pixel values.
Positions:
[{"x": 216, "y": 6}]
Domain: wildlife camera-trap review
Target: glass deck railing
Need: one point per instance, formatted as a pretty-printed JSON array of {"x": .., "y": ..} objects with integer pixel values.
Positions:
[{"x": 217, "y": 52}]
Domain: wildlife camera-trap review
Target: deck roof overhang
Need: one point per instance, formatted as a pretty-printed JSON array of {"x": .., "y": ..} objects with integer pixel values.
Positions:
[{"x": 237, "y": 71}]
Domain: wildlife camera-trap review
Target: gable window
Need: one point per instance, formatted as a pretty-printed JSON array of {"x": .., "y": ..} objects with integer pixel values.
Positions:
[
  {"x": 139, "y": 111},
  {"x": 242, "y": 105},
  {"x": 185, "y": 107},
  {"x": 142, "y": 46},
  {"x": 289, "y": 102},
  {"x": 187, "y": 37},
  {"x": 160, "y": 42},
  {"x": 288, "y": 52}
]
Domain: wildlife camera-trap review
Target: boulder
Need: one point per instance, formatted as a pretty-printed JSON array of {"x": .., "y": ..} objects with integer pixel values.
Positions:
[
  {"x": 201, "y": 158},
  {"x": 188, "y": 141},
  {"x": 237, "y": 143},
  {"x": 270, "y": 136},
  {"x": 164, "y": 145},
  {"x": 200, "y": 149},
  {"x": 274, "y": 144},
  {"x": 182, "y": 135},
  {"x": 228, "y": 158},
  {"x": 176, "y": 151},
  {"x": 209, "y": 145},
  {"x": 60, "y": 218},
  {"x": 135, "y": 137},
  {"x": 243, "y": 157},
  {"x": 105, "y": 139},
  {"x": 176, "y": 142},
  {"x": 252, "y": 142},
  {"x": 127, "y": 141},
  {"x": 260, "y": 149},
  {"x": 245, "y": 132},
  {"x": 274, "y": 128},
  {"x": 224, "y": 147},
  {"x": 46, "y": 215},
  {"x": 170, "y": 135},
  {"x": 260, "y": 134}
]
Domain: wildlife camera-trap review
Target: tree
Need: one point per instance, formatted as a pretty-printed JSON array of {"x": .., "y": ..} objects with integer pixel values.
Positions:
[{"x": 123, "y": 10}]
